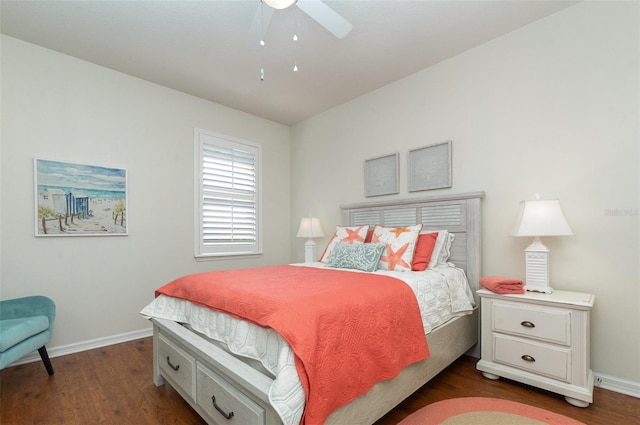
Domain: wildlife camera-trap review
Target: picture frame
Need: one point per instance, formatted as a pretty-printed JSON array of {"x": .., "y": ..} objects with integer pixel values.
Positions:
[
  {"x": 429, "y": 167},
  {"x": 381, "y": 175},
  {"x": 73, "y": 199}
]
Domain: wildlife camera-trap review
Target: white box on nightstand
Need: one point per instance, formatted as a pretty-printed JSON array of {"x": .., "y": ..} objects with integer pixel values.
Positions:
[{"x": 540, "y": 340}]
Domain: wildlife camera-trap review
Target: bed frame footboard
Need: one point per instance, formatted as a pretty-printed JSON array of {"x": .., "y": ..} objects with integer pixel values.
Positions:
[
  {"x": 200, "y": 371},
  {"x": 446, "y": 344},
  {"x": 216, "y": 384}
]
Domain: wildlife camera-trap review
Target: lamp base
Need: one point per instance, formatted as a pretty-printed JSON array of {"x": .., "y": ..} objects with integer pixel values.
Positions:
[
  {"x": 537, "y": 267},
  {"x": 538, "y": 288},
  {"x": 310, "y": 251}
]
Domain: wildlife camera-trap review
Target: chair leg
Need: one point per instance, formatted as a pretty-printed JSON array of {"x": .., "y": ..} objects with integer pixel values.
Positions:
[{"x": 45, "y": 359}]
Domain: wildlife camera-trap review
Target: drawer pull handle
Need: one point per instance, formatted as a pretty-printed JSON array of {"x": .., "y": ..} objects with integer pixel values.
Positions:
[
  {"x": 528, "y": 358},
  {"x": 527, "y": 324},
  {"x": 219, "y": 409},
  {"x": 176, "y": 367}
]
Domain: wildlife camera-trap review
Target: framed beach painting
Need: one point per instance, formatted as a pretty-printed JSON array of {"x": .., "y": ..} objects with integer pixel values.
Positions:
[
  {"x": 430, "y": 167},
  {"x": 79, "y": 200}
]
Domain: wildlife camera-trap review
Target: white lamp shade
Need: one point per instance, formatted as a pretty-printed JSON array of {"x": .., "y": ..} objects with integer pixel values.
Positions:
[
  {"x": 541, "y": 218},
  {"x": 279, "y": 4},
  {"x": 310, "y": 228}
]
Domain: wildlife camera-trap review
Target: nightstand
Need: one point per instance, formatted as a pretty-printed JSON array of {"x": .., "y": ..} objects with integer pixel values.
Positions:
[{"x": 540, "y": 340}]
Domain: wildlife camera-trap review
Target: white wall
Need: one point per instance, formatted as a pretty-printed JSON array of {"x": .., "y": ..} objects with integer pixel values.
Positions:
[
  {"x": 550, "y": 108},
  {"x": 60, "y": 108}
]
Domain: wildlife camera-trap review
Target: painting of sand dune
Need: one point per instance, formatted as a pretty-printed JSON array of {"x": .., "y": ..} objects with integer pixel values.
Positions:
[{"x": 79, "y": 199}]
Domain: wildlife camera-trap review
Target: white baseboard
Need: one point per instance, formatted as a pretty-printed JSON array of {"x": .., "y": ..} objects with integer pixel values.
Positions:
[
  {"x": 91, "y": 344},
  {"x": 617, "y": 384}
]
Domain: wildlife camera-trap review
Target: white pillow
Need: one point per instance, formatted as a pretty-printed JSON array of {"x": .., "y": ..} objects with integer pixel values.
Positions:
[
  {"x": 442, "y": 249},
  {"x": 354, "y": 234},
  {"x": 446, "y": 249},
  {"x": 401, "y": 245}
]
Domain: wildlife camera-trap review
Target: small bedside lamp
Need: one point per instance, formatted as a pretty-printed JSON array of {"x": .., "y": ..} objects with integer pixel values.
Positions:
[
  {"x": 310, "y": 228},
  {"x": 539, "y": 218}
]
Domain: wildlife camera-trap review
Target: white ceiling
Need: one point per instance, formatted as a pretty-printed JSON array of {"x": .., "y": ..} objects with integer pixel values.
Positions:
[{"x": 200, "y": 47}]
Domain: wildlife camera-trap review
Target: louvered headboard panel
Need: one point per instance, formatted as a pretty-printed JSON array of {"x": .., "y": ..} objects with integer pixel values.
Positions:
[{"x": 459, "y": 214}]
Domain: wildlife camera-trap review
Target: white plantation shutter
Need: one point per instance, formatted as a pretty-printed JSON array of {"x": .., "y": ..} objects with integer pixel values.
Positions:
[{"x": 228, "y": 196}]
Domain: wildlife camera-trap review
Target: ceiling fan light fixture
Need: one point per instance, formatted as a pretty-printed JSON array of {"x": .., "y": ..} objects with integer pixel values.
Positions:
[{"x": 279, "y": 4}]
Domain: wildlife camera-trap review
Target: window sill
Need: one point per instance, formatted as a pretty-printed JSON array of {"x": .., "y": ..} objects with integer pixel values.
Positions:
[{"x": 226, "y": 256}]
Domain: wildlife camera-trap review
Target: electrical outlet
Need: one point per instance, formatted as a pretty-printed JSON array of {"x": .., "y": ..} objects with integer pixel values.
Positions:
[{"x": 598, "y": 380}]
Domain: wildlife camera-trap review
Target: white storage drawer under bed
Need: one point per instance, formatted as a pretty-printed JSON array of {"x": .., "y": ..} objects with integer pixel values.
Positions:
[
  {"x": 177, "y": 365},
  {"x": 222, "y": 401}
]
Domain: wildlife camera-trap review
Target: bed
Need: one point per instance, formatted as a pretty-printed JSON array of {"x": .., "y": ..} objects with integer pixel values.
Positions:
[{"x": 227, "y": 388}]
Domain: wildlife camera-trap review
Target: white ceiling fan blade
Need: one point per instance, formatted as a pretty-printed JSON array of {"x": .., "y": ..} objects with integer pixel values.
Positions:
[
  {"x": 259, "y": 25},
  {"x": 326, "y": 17}
]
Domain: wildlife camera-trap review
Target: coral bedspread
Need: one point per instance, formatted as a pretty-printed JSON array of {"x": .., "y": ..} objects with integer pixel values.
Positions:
[{"x": 348, "y": 330}]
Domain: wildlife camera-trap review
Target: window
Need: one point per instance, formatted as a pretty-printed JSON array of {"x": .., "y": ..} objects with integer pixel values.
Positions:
[{"x": 227, "y": 203}]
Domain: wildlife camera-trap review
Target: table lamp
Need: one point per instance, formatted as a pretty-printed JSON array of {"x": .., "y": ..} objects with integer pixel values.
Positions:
[
  {"x": 539, "y": 218},
  {"x": 310, "y": 228}
]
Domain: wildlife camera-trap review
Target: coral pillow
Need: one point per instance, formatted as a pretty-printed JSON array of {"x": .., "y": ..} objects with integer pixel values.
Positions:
[
  {"x": 369, "y": 236},
  {"x": 355, "y": 234},
  {"x": 424, "y": 248},
  {"x": 401, "y": 245}
]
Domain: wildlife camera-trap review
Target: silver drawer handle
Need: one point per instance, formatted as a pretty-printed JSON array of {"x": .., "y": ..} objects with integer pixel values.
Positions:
[
  {"x": 219, "y": 409},
  {"x": 528, "y": 358},
  {"x": 527, "y": 324},
  {"x": 176, "y": 367}
]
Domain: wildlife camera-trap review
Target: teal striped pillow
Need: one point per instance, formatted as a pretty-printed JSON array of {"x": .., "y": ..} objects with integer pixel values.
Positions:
[{"x": 359, "y": 256}]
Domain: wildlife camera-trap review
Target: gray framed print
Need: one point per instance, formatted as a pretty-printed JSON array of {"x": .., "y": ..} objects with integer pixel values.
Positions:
[
  {"x": 430, "y": 167},
  {"x": 381, "y": 175}
]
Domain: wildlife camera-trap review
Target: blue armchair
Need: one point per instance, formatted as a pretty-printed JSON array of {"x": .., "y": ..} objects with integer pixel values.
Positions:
[{"x": 26, "y": 325}]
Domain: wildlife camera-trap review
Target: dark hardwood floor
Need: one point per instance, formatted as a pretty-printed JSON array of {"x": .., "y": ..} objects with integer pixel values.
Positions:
[{"x": 113, "y": 385}]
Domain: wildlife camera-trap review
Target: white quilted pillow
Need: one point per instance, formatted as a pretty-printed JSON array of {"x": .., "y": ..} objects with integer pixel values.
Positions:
[{"x": 442, "y": 249}]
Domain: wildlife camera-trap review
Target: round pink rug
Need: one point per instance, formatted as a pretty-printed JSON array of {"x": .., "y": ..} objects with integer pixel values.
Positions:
[{"x": 484, "y": 411}]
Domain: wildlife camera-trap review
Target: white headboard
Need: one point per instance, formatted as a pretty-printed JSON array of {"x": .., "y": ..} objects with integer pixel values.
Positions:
[{"x": 459, "y": 214}]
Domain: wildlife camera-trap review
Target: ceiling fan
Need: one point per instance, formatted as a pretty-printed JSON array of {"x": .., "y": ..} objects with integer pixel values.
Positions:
[{"x": 316, "y": 9}]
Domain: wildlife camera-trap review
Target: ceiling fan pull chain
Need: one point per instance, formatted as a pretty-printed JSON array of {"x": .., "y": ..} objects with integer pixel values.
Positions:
[
  {"x": 261, "y": 23},
  {"x": 295, "y": 40},
  {"x": 262, "y": 40}
]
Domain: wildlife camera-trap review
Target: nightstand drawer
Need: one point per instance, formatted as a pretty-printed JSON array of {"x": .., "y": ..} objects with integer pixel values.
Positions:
[
  {"x": 176, "y": 365},
  {"x": 541, "y": 359},
  {"x": 538, "y": 322},
  {"x": 222, "y": 401}
]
